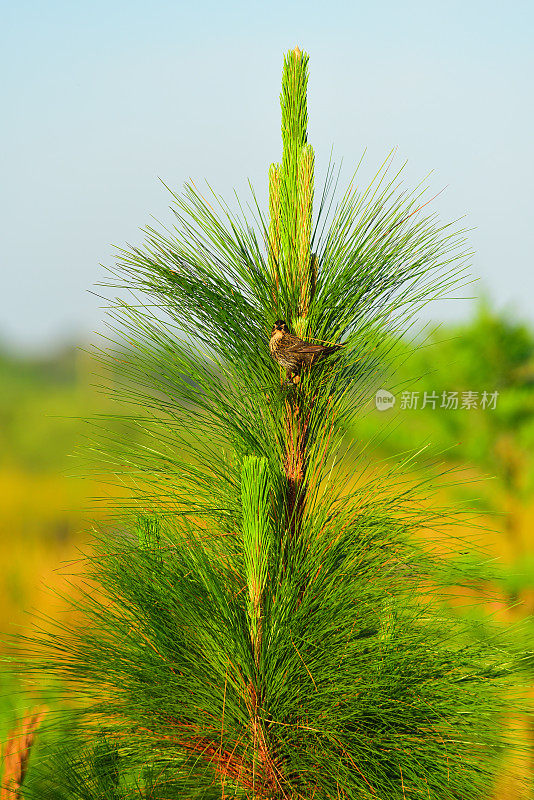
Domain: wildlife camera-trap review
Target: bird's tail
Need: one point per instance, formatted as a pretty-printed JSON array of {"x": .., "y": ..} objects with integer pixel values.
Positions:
[{"x": 331, "y": 349}]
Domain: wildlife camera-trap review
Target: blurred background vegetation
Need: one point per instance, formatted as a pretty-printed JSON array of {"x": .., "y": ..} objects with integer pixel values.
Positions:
[{"x": 482, "y": 458}]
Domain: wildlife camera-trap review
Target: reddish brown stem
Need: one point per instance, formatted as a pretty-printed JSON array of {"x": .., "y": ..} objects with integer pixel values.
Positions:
[
  {"x": 17, "y": 753},
  {"x": 260, "y": 775}
]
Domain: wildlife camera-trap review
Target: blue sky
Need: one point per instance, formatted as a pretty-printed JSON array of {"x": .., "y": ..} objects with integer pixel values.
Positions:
[{"x": 103, "y": 98}]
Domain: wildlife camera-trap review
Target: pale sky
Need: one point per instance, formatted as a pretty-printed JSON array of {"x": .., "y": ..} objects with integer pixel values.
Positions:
[{"x": 99, "y": 99}]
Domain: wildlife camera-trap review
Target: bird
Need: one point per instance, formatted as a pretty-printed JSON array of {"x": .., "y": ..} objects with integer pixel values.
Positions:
[{"x": 293, "y": 353}]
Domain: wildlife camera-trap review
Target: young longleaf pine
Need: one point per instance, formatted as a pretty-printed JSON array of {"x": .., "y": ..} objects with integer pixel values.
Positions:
[{"x": 265, "y": 619}]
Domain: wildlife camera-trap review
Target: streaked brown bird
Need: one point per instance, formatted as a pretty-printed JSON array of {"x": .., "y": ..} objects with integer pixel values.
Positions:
[{"x": 293, "y": 353}]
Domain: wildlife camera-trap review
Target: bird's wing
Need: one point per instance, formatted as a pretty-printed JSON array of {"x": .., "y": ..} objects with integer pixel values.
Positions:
[{"x": 306, "y": 347}]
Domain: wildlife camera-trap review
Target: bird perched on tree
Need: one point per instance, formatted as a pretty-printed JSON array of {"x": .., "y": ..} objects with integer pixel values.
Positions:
[{"x": 293, "y": 353}]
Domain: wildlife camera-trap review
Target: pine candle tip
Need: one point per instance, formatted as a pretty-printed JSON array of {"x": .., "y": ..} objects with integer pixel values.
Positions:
[{"x": 297, "y": 53}]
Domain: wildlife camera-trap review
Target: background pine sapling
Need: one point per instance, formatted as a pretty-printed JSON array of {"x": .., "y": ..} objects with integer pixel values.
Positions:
[{"x": 263, "y": 620}]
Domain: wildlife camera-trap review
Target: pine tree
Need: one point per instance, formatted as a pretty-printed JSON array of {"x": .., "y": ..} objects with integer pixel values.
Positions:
[{"x": 266, "y": 623}]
